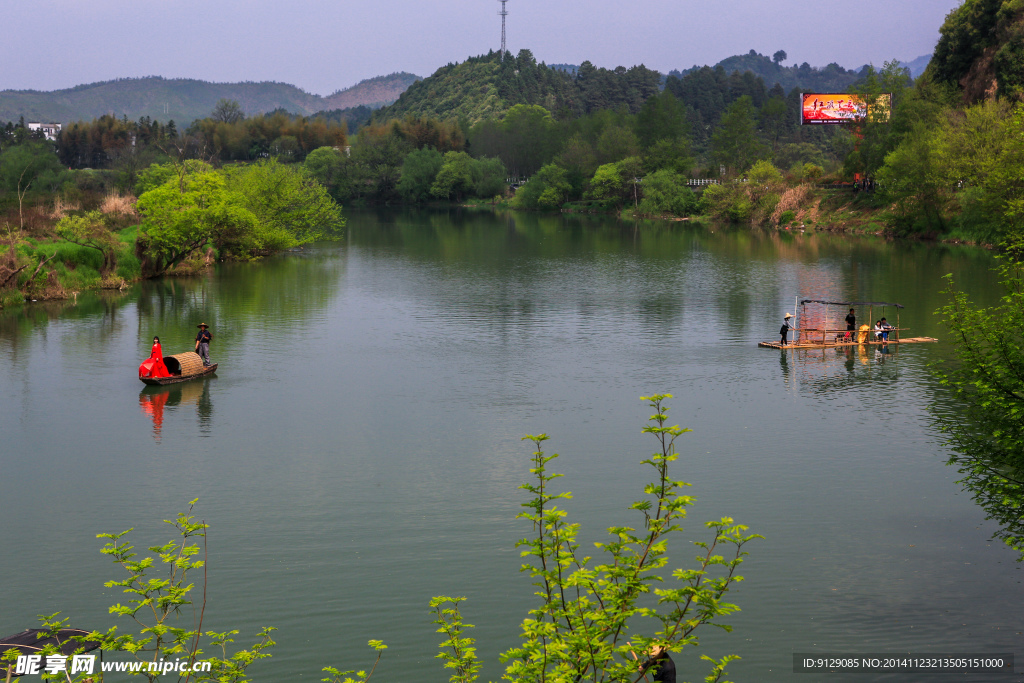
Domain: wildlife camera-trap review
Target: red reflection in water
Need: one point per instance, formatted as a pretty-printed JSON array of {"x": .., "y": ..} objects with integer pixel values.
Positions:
[{"x": 153, "y": 405}]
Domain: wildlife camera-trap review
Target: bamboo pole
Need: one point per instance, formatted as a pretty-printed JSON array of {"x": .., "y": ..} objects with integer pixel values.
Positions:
[{"x": 796, "y": 320}]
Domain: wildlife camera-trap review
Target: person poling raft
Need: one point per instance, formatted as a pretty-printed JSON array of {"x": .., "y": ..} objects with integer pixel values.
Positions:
[
  {"x": 815, "y": 331},
  {"x": 181, "y": 367}
]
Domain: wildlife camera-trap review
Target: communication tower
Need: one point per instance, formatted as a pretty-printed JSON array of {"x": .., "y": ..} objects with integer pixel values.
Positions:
[{"x": 503, "y": 13}]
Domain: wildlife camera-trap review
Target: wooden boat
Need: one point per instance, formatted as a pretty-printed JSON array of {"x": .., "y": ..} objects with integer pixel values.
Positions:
[
  {"x": 826, "y": 337},
  {"x": 183, "y": 367}
]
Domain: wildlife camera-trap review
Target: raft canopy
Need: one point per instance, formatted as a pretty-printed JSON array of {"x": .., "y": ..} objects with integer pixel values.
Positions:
[
  {"x": 848, "y": 303},
  {"x": 184, "y": 364},
  {"x": 68, "y": 640}
]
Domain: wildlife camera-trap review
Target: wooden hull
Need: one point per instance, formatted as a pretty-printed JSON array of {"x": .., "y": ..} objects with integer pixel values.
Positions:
[
  {"x": 836, "y": 344},
  {"x": 160, "y": 381}
]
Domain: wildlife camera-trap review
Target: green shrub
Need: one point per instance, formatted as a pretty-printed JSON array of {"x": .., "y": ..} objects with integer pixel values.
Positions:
[
  {"x": 812, "y": 172},
  {"x": 664, "y": 192},
  {"x": 128, "y": 266},
  {"x": 547, "y": 189},
  {"x": 9, "y": 298},
  {"x": 726, "y": 203}
]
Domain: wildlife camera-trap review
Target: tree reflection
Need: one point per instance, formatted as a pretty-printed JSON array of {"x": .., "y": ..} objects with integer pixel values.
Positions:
[{"x": 1000, "y": 493}]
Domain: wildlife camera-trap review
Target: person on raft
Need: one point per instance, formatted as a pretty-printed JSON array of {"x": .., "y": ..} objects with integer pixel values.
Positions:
[
  {"x": 851, "y": 324},
  {"x": 154, "y": 365},
  {"x": 886, "y": 328},
  {"x": 786, "y": 327},
  {"x": 203, "y": 340},
  {"x": 664, "y": 669}
]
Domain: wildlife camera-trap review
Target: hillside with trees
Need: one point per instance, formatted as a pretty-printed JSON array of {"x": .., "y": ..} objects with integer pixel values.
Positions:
[
  {"x": 185, "y": 100},
  {"x": 807, "y": 78},
  {"x": 980, "y": 52},
  {"x": 488, "y": 86}
]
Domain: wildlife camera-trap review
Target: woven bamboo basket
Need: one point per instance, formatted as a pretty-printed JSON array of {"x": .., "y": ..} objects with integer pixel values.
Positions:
[{"x": 185, "y": 364}]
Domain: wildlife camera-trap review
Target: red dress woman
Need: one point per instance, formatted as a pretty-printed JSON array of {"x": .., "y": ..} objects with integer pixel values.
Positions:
[{"x": 154, "y": 365}]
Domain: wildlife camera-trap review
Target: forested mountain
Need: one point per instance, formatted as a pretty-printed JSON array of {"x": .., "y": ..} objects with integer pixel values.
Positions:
[
  {"x": 487, "y": 86},
  {"x": 184, "y": 100},
  {"x": 807, "y": 78},
  {"x": 981, "y": 50}
]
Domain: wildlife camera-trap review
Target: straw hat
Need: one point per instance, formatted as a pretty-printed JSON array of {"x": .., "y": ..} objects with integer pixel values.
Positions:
[
  {"x": 205, "y": 325},
  {"x": 788, "y": 315}
]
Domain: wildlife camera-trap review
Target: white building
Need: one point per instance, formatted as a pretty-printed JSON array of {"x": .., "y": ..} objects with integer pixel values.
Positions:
[{"x": 50, "y": 130}]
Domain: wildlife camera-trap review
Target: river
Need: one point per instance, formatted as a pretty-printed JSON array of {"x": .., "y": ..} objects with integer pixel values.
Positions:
[{"x": 359, "y": 450}]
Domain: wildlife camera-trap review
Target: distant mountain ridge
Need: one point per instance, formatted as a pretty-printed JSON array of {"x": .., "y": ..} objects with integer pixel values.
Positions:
[
  {"x": 184, "y": 99},
  {"x": 375, "y": 92},
  {"x": 829, "y": 78},
  {"x": 917, "y": 66}
]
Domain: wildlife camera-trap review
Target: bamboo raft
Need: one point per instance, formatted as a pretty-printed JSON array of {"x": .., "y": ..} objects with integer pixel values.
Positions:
[
  {"x": 829, "y": 338},
  {"x": 804, "y": 344},
  {"x": 183, "y": 367}
]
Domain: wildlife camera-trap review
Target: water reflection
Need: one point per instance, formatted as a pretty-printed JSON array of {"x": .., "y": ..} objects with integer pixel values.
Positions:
[
  {"x": 1000, "y": 493},
  {"x": 823, "y": 371},
  {"x": 154, "y": 400}
]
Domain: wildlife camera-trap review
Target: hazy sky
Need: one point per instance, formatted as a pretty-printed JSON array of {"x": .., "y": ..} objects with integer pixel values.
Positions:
[{"x": 322, "y": 45}]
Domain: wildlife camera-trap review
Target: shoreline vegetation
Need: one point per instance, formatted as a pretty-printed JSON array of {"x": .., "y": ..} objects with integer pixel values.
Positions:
[
  {"x": 69, "y": 250},
  {"x": 111, "y": 201}
]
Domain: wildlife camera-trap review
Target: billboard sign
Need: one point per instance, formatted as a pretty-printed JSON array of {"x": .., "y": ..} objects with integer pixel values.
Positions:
[{"x": 842, "y": 108}]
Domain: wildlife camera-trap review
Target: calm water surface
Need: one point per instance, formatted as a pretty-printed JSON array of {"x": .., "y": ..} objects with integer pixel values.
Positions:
[{"x": 359, "y": 450}]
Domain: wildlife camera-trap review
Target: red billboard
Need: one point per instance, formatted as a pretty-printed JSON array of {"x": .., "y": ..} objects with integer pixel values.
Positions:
[{"x": 842, "y": 108}]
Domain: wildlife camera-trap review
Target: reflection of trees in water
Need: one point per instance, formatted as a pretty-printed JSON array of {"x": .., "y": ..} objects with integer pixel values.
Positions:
[
  {"x": 994, "y": 478},
  {"x": 660, "y": 269},
  {"x": 92, "y": 317},
  {"x": 155, "y": 400},
  {"x": 279, "y": 292},
  {"x": 1000, "y": 493},
  {"x": 825, "y": 371}
]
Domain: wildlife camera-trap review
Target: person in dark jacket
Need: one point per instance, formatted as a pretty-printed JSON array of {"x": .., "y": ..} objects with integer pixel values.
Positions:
[
  {"x": 784, "y": 330},
  {"x": 851, "y": 324},
  {"x": 203, "y": 340},
  {"x": 664, "y": 669}
]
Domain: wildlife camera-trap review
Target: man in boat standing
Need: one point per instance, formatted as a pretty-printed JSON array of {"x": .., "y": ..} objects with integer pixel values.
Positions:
[
  {"x": 851, "y": 324},
  {"x": 786, "y": 327},
  {"x": 203, "y": 340}
]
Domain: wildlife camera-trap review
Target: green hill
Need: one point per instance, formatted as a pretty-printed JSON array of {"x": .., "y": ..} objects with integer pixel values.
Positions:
[
  {"x": 487, "y": 86},
  {"x": 981, "y": 50},
  {"x": 806, "y": 78},
  {"x": 184, "y": 100}
]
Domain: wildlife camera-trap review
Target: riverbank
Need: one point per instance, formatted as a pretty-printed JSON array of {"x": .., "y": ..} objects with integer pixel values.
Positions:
[
  {"x": 53, "y": 268},
  {"x": 186, "y": 216}
]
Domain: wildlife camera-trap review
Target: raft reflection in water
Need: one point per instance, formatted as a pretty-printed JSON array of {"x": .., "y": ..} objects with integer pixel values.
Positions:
[
  {"x": 836, "y": 369},
  {"x": 154, "y": 399}
]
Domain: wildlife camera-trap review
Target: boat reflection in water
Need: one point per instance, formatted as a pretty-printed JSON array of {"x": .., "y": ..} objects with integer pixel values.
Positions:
[
  {"x": 826, "y": 370},
  {"x": 154, "y": 400}
]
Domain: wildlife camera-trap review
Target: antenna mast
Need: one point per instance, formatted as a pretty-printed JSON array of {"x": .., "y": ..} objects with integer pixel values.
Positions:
[{"x": 503, "y": 13}]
